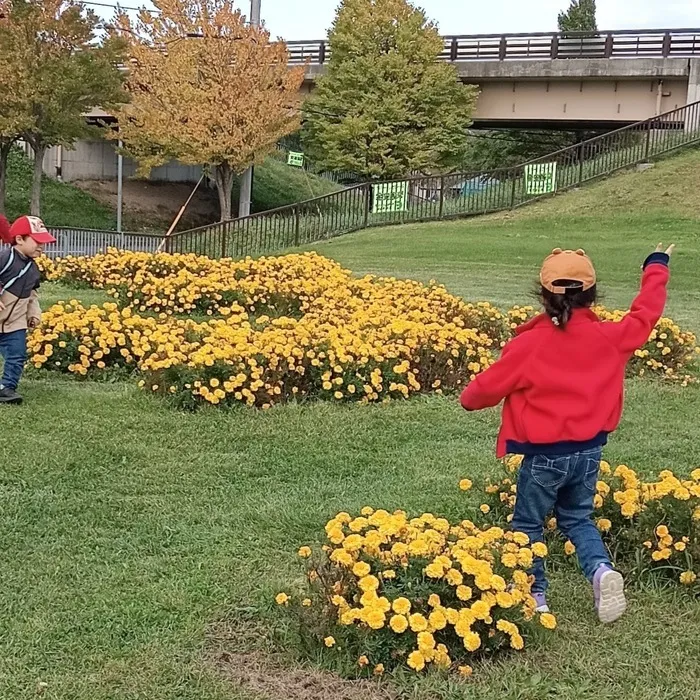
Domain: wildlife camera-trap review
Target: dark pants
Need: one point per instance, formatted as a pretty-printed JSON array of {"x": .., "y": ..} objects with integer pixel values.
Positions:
[
  {"x": 564, "y": 484},
  {"x": 13, "y": 348}
]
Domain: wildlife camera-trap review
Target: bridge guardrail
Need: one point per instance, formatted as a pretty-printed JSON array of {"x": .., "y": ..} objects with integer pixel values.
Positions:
[{"x": 648, "y": 43}]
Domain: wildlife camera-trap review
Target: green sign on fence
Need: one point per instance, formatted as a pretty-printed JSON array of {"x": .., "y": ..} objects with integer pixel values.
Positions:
[
  {"x": 388, "y": 197},
  {"x": 541, "y": 178},
  {"x": 295, "y": 159}
]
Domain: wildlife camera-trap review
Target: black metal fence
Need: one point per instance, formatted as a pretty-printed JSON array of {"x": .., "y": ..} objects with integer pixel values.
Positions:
[
  {"x": 439, "y": 197},
  {"x": 632, "y": 43}
]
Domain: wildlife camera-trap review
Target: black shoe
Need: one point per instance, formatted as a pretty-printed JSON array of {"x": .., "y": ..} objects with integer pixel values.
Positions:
[{"x": 9, "y": 396}]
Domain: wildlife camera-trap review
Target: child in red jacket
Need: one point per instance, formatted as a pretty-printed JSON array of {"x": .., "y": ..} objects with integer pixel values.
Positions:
[{"x": 562, "y": 378}]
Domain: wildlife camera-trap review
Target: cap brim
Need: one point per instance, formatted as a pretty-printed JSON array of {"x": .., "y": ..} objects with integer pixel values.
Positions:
[{"x": 43, "y": 237}]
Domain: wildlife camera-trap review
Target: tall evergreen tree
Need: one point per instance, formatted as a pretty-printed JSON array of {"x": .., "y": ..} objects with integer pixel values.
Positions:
[{"x": 386, "y": 106}]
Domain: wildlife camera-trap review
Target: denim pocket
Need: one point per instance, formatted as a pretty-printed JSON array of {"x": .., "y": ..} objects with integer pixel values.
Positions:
[
  {"x": 549, "y": 473},
  {"x": 590, "y": 479}
]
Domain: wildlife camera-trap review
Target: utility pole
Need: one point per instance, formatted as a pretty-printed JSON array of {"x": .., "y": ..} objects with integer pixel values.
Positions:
[{"x": 246, "y": 189}]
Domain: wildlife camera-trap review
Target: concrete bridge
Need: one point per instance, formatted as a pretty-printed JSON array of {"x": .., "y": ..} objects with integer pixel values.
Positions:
[{"x": 564, "y": 81}]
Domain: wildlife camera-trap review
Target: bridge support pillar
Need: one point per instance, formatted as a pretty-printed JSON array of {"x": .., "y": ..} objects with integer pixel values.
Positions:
[{"x": 693, "y": 121}]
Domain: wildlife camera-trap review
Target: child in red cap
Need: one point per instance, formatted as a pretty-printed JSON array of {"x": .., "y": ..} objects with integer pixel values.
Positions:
[
  {"x": 19, "y": 301},
  {"x": 562, "y": 380}
]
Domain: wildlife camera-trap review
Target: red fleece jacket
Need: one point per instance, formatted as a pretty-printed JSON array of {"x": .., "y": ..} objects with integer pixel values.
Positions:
[{"x": 565, "y": 387}]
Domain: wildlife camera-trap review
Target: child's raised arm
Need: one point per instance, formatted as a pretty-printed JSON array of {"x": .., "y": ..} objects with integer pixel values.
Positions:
[{"x": 633, "y": 331}]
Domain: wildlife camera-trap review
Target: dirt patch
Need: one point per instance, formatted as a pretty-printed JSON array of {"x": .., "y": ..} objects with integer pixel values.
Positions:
[
  {"x": 264, "y": 675},
  {"x": 155, "y": 204}
]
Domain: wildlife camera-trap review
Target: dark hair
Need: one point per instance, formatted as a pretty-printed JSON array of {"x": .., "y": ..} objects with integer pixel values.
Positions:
[{"x": 560, "y": 306}]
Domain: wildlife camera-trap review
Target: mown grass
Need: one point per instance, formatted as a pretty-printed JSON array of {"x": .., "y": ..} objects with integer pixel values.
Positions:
[{"x": 129, "y": 531}]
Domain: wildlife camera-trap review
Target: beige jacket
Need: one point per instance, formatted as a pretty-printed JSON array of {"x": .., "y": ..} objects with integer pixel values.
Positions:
[{"x": 19, "y": 282}]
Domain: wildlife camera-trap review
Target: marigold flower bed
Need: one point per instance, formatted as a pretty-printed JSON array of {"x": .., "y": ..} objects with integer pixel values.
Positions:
[
  {"x": 419, "y": 592},
  {"x": 292, "y": 327}
]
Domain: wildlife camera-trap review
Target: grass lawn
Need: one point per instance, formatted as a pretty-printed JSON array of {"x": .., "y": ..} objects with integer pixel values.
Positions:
[{"x": 138, "y": 543}]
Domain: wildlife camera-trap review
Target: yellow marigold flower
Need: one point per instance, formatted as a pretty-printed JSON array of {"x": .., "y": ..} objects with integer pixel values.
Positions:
[
  {"x": 378, "y": 669},
  {"x": 329, "y": 641},
  {"x": 485, "y": 508},
  {"x": 304, "y": 552},
  {"x": 437, "y": 620},
  {"x": 548, "y": 621},
  {"x": 679, "y": 546},
  {"x": 604, "y": 524},
  {"x": 363, "y": 661},
  {"x": 465, "y": 671},
  {"x": 628, "y": 510},
  {"x": 388, "y": 574},
  {"x": 368, "y": 583},
  {"x": 464, "y": 593},
  {"x": 539, "y": 549},
  {"x": 465, "y": 484},
  {"x": 398, "y": 624},
  {"x": 361, "y": 569},
  {"x": 281, "y": 599},
  {"x": 569, "y": 548},
  {"x": 504, "y": 600},
  {"x": 434, "y": 600},
  {"x": 688, "y": 578},
  {"x": 454, "y": 577},
  {"x": 520, "y": 538},
  {"x": 402, "y": 606},
  {"x": 472, "y": 641},
  {"x": 426, "y": 641},
  {"x": 517, "y": 642},
  {"x": 416, "y": 661},
  {"x": 509, "y": 559},
  {"x": 418, "y": 622},
  {"x": 306, "y": 602},
  {"x": 374, "y": 618}
]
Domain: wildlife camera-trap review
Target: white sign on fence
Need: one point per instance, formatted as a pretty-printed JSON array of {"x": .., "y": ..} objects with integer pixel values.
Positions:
[
  {"x": 388, "y": 197},
  {"x": 541, "y": 178}
]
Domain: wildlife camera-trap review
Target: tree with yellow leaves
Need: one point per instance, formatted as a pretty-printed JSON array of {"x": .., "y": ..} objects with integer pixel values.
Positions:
[{"x": 206, "y": 88}]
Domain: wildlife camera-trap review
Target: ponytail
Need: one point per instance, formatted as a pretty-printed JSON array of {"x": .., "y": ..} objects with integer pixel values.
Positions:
[{"x": 560, "y": 307}]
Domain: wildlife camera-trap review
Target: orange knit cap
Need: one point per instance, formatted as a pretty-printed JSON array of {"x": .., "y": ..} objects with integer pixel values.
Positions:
[{"x": 567, "y": 266}]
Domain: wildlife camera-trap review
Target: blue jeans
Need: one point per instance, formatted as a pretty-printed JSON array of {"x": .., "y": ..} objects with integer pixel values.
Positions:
[
  {"x": 565, "y": 484},
  {"x": 13, "y": 348}
]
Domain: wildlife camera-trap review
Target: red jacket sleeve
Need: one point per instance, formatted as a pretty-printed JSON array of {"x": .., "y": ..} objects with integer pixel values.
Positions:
[
  {"x": 501, "y": 379},
  {"x": 633, "y": 331}
]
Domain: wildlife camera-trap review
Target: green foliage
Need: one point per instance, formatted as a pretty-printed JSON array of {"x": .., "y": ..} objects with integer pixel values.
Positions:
[
  {"x": 580, "y": 17},
  {"x": 386, "y": 107}
]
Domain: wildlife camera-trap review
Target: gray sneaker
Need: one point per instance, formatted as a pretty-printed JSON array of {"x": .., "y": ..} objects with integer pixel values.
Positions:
[
  {"x": 541, "y": 601},
  {"x": 9, "y": 396},
  {"x": 609, "y": 594}
]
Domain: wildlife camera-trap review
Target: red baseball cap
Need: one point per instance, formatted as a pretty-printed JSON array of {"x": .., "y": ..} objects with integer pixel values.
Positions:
[{"x": 31, "y": 226}]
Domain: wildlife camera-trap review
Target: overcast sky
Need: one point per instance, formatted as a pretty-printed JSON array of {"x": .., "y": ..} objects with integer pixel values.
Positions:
[{"x": 310, "y": 19}]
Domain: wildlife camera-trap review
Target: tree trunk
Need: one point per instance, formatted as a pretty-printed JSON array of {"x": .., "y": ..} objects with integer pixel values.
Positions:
[
  {"x": 5, "y": 147},
  {"x": 39, "y": 152},
  {"x": 223, "y": 176}
]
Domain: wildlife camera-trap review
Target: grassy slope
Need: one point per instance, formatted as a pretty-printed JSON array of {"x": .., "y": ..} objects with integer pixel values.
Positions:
[
  {"x": 128, "y": 529},
  {"x": 62, "y": 204},
  {"x": 497, "y": 258}
]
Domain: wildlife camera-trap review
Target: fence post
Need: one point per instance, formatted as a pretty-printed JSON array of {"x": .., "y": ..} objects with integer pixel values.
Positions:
[
  {"x": 368, "y": 202},
  {"x": 503, "y": 48},
  {"x": 442, "y": 195},
  {"x": 666, "y": 50},
  {"x": 609, "y": 45},
  {"x": 454, "y": 49},
  {"x": 648, "y": 143},
  {"x": 224, "y": 239},
  {"x": 513, "y": 191},
  {"x": 297, "y": 225},
  {"x": 555, "y": 46},
  {"x": 580, "y": 164},
  {"x": 322, "y": 53}
]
